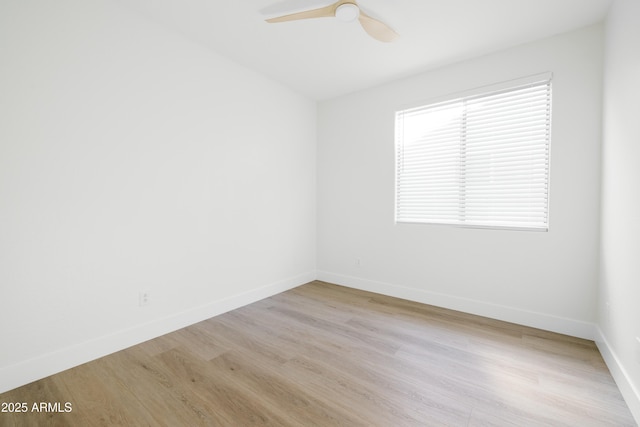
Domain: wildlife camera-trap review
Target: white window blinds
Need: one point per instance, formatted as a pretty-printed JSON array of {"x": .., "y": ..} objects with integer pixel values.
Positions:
[{"x": 480, "y": 160}]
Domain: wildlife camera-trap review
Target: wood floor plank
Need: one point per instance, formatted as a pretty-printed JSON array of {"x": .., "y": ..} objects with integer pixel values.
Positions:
[
  {"x": 325, "y": 355},
  {"x": 155, "y": 392},
  {"x": 40, "y": 392},
  {"x": 100, "y": 398},
  {"x": 279, "y": 391},
  {"x": 365, "y": 365},
  {"x": 218, "y": 397},
  {"x": 357, "y": 372}
]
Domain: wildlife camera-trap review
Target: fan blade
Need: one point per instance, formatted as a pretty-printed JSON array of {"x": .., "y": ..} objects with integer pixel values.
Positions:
[
  {"x": 323, "y": 12},
  {"x": 377, "y": 29},
  {"x": 286, "y": 7}
]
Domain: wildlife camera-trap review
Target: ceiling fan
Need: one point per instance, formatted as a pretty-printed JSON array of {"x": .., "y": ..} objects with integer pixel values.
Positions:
[{"x": 345, "y": 11}]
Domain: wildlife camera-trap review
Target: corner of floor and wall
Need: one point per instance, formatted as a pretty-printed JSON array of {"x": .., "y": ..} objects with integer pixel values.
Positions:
[
  {"x": 618, "y": 321},
  {"x": 126, "y": 212}
]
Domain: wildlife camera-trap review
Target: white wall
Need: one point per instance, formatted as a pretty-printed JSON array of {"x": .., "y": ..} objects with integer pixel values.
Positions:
[
  {"x": 547, "y": 280},
  {"x": 619, "y": 299},
  {"x": 133, "y": 159}
]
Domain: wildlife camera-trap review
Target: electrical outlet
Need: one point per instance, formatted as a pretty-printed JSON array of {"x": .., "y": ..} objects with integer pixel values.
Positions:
[
  {"x": 144, "y": 298},
  {"x": 358, "y": 262}
]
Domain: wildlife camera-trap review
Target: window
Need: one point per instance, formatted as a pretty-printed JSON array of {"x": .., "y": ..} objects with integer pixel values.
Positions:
[{"x": 480, "y": 160}]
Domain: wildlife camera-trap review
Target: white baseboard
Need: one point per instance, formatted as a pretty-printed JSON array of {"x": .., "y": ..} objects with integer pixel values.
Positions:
[
  {"x": 51, "y": 363},
  {"x": 629, "y": 391},
  {"x": 544, "y": 321}
]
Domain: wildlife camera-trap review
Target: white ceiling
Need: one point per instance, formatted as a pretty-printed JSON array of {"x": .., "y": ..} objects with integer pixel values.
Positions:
[{"x": 324, "y": 58}]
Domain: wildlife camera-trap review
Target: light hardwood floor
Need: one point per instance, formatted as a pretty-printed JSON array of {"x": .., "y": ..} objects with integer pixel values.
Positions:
[{"x": 327, "y": 355}]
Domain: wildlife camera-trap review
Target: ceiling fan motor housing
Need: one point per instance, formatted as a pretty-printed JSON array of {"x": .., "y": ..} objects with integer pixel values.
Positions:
[{"x": 347, "y": 12}]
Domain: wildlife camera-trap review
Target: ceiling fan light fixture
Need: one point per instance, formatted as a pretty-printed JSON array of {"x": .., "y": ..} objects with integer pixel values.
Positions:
[{"x": 347, "y": 12}]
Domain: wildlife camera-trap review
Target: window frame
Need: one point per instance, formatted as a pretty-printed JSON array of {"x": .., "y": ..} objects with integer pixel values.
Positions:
[{"x": 474, "y": 94}]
